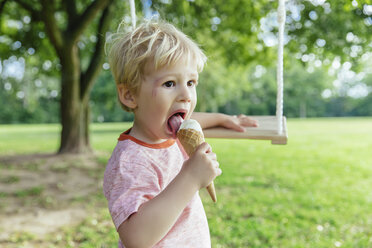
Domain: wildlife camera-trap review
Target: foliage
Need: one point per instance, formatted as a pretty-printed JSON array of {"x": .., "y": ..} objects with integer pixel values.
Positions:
[
  {"x": 237, "y": 31},
  {"x": 65, "y": 23},
  {"x": 320, "y": 34},
  {"x": 228, "y": 32},
  {"x": 228, "y": 89},
  {"x": 104, "y": 101},
  {"x": 332, "y": 29}
]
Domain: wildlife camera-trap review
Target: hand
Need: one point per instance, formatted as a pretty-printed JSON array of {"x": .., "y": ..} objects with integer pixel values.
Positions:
[
  {"x": 202, "y": 166},
  {"x": 238, "y": 123}
]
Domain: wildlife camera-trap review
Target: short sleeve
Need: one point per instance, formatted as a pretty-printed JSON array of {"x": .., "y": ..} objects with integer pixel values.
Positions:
[{"x": 127, "y": 188}]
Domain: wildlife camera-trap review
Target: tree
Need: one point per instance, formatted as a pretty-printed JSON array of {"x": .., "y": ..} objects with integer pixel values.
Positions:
[
  {"x": 64, "y": 23},
  {"x": 237, "y": 30},
  {"x": 232, "y": 34}
]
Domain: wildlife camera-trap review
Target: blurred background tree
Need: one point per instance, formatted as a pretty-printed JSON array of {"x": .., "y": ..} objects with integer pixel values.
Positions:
[
  {"x": 63, "y": 32},
  {"x": 51, "y": 53}
]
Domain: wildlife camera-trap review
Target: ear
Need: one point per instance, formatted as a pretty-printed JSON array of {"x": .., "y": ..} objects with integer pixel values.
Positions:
[{"x": 126, "y": 97}]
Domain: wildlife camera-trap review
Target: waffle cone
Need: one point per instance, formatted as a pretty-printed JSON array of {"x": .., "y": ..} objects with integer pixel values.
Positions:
[
  {"x": 190, "y": 140},
  {"x": 212, "y": 192}
]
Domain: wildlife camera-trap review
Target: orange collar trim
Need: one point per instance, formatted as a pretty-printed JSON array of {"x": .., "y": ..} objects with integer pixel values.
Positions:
[{"x": 125, "y": 135}]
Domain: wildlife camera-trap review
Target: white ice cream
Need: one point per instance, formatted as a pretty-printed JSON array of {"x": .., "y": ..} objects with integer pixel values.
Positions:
[{"x": 191, "y": 124}]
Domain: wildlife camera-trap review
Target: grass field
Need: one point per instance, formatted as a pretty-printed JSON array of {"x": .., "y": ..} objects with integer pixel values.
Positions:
[{"x": 313, "y": 192}]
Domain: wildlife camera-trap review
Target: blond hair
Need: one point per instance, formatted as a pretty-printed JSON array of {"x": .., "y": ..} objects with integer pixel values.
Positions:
[{"x": 157, "y": 42}]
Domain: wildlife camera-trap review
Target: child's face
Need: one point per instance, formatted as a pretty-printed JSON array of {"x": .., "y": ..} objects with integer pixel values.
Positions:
[{"x": 164, "y": 92}]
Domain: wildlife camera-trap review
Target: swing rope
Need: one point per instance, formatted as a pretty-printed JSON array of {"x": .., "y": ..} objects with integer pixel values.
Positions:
[
  {"x": 133, "y": 13},
  {"x": 279, "y": 73}
]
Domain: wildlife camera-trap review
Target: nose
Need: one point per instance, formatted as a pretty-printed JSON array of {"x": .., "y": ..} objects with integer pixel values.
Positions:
[{"x": 185, "y": 93}]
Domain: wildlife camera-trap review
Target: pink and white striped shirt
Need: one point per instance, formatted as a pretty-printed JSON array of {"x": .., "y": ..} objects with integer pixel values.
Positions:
[{"x": 136, "y": 173}]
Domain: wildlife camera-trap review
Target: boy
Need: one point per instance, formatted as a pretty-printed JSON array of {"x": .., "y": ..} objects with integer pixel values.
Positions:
[{"x": 150, "y": 183}]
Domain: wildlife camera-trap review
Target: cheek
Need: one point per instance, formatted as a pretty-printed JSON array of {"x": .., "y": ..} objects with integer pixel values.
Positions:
[
  {"x": 195, "y": 96},
  {"x": 154, "y": 92},
  {"x": 194, "y": 100}
]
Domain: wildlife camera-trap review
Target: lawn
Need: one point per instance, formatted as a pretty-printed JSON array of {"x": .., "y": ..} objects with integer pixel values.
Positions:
[{"x": 313, "y": 192}]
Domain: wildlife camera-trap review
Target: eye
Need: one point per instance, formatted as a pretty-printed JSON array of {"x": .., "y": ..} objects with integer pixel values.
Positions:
[
  {"x": 192, "y": 83},
  {"x": 169, "y": 84}
]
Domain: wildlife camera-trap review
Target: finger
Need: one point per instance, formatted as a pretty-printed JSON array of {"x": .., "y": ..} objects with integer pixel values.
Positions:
[
  {"x": 251, "y": 123},
  {"x": 234, "y": 125},
  {"x": 248, "y": 122},
  {"x": 204, "y": 148},
  {"x": 212, "y": 156},
  {"x": 218, "y": 171},
  {"x": 237, "y": 127},
  {"x": 209, "y": 148}
]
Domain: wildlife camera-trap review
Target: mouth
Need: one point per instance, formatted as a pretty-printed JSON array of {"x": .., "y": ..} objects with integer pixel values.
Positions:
[{"x": 175, "y": 120}]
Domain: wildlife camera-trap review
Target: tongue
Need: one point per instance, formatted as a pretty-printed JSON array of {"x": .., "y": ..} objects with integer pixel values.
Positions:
[{"x": 175, "y": 122}]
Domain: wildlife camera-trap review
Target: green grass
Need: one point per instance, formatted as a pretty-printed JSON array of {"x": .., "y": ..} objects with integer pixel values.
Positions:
[
  {"x": 44, "y": 138},
  {"x": 313, "y": 192}
]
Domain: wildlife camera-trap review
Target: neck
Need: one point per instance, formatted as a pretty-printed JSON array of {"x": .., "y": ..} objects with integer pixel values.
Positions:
[{"x": 141, "y": 133}]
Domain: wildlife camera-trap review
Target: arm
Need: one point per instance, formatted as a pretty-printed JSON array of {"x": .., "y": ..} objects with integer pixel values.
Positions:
[
  {"x": 237, "y": 123},
  {"x": 156, "y": 217}
]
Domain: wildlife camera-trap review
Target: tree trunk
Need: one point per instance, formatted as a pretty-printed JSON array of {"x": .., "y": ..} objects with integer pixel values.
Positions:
[
  {"x": 74, "y": 111},
  {"x": 75, "y": 84}
]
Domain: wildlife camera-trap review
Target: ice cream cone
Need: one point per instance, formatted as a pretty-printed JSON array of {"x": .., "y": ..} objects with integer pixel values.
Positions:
[
  {"x": 190, "y": 140},
  {"x": 212, "y": 191}
]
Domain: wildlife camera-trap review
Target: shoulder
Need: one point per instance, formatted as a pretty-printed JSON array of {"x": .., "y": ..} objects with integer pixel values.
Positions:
[
  {"x": 128, "y": 153},
  {"x": 126, "y": 166},
  {"x": 131, "y": 157}
]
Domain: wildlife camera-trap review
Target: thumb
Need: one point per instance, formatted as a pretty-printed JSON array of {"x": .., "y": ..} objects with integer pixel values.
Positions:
[{"x": 204, "y": 148}]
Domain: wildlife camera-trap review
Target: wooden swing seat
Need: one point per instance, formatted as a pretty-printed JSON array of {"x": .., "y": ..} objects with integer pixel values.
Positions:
[{"x": 267, "y": 130}]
